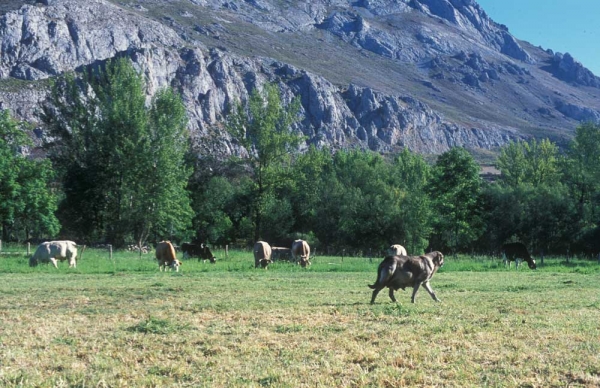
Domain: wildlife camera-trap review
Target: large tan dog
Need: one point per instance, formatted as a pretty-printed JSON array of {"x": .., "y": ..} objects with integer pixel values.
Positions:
[{"x": 396, "y": 272}]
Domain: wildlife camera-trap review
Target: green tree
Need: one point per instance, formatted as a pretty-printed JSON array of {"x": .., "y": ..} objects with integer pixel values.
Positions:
[
  {"x": 582, "y": 178},
  {"x": 122, "y": 162},
  {"x": 27, "y": 203},
  {"x": 582, "y": 171},
  {"x": 456, "y": 191},
  {"x": 264, "y": 129},
  {"x": 311, "y": 171},
  {"x": 535, "y": 163},
  {"x": 512, "y": 164},
  {"x": 543, "y": 163},
  {"x": 215, "y": 207},
  {"x": 411, "y": 175}
]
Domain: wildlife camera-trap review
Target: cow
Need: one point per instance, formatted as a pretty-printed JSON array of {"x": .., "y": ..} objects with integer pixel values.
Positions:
[
  {"x": 51, "y": 251},
  {"x": 300, "y": 249},
  {"x": 166, "y": 256},
  {"x": 201, "y": 251},
  {"x": 396, "y": 272},
  {"x": 514, "y": 252},
  {"x": 280, "y": 253},
  {"x": 396, "y": 250},
  {"x": 262, "y": 254}
]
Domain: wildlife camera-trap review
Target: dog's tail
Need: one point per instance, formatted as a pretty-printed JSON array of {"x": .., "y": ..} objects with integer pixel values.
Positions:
[{"x": 384, "y": 273}]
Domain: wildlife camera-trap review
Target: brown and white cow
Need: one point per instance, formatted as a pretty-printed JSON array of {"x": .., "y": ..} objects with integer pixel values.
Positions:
[
  {"x": 301, "y": 250},
  {"x": 166, "y": 256},
  {"x": 514, "y": 252},
  {"x": 396, "y": 250},
  {"x": 262, "y": 254},
  {"x": 51, "y": 251},
  {"x": 396, "y": 272},
  {"x": 201, "y": 251}
]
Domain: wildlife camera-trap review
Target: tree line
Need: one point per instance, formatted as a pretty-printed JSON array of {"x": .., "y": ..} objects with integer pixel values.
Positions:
[{"x": 120, "y": 169}]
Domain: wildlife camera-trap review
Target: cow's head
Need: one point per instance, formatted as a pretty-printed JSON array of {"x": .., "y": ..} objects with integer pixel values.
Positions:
[
  {"x": 175, "y": 264},
  {"x": 32, "y": 262},
  {"x": 531, "y": 263},
  {"x": 304, "y": 262}
]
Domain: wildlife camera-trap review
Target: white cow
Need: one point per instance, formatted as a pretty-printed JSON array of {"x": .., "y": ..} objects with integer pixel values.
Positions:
[
  {"x": 262, "y": 254},
  {"x": 51, "y": 251},
  {"x": 301, "y": 249},
  {"x": 396, "y": 250}
]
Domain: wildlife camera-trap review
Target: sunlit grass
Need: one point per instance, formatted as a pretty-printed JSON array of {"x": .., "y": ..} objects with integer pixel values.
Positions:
[{"x": 123, "y": 323}]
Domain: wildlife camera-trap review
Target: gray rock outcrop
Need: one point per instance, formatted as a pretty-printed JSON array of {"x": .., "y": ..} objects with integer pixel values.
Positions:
[{"x": 378, "y": 74}]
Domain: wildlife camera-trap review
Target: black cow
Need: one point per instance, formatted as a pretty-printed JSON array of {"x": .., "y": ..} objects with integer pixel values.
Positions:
[
  {"x": 201, "y": 251},
  {"x": 515, "y": 251}
]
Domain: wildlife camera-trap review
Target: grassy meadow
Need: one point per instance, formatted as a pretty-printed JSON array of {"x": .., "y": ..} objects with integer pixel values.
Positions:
[{"x": 121, "y": 323}]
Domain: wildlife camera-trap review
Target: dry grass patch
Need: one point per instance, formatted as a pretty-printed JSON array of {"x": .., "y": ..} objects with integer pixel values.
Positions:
[{"x": 297, "y": 329}]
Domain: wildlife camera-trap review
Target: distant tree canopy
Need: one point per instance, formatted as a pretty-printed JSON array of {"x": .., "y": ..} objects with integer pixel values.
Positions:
[
  {"x": 27, "y": 201},
  {"x": 121, "y": 162}
]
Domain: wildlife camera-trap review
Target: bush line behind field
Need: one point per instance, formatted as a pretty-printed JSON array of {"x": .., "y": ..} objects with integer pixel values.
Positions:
[{"x": 98, "y": 261}]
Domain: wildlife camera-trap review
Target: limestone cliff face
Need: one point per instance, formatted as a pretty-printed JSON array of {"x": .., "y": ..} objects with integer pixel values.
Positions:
[{"x": 376, "y": 74}]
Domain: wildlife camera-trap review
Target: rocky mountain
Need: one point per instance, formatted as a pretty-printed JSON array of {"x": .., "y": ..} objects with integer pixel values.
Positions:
[{"x": 376, "y": 74}]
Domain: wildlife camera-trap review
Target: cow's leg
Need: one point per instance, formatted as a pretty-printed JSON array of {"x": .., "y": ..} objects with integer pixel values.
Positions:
[
  {"x": 72, "y": 264},
  {"x": 185, "y": 255},
  {"x": 391, "y": 293},
  {"x": 430, "y": 290},
  {"x": 374, "y": 295},
  {"x": 53, "y": 261},
  {"x": 414, "y": 294}
]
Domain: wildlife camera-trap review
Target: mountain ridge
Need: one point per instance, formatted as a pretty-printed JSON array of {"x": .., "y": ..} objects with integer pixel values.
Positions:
[{"x": 373, "y": 74}]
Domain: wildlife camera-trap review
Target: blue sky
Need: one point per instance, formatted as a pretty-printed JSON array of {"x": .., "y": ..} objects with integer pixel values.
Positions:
[{"x": 571, "y": 26}]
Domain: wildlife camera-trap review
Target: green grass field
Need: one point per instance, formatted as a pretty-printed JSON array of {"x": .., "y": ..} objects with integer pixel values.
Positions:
[{"x": 121, "y": 323}]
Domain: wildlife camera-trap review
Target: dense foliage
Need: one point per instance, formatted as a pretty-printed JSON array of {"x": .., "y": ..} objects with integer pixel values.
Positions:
[
  {"x": 362, "y": 201},
  {"x": 27, "y": 201}
]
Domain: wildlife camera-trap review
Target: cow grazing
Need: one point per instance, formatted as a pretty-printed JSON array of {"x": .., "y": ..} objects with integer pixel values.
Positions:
[
  {"x": 300, "y": 249},
  {"x": 201, "y": 251},
  {"x": 262, "y": 254},
  {"x": 396, "y": 250},
  {"x": 280, "y": 253},
  {"x": 514, "y": 252},
  {"x": 166, "y": 256},
  {"x": 396, "y": 272},
  {"x": 51, "y": 251}
]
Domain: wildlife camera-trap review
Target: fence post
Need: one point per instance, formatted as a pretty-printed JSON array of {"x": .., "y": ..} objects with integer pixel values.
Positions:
[
  {"x": 0, "y": 245},
  {"x": 110, "y": 251},
  {"x": 227, "y": 251},
  {"x": 370, "y": 256},
  {"x": 567, "y": 255},
  {"x": 343, "y": 253},
  {"x": 28, "y": 249}
]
